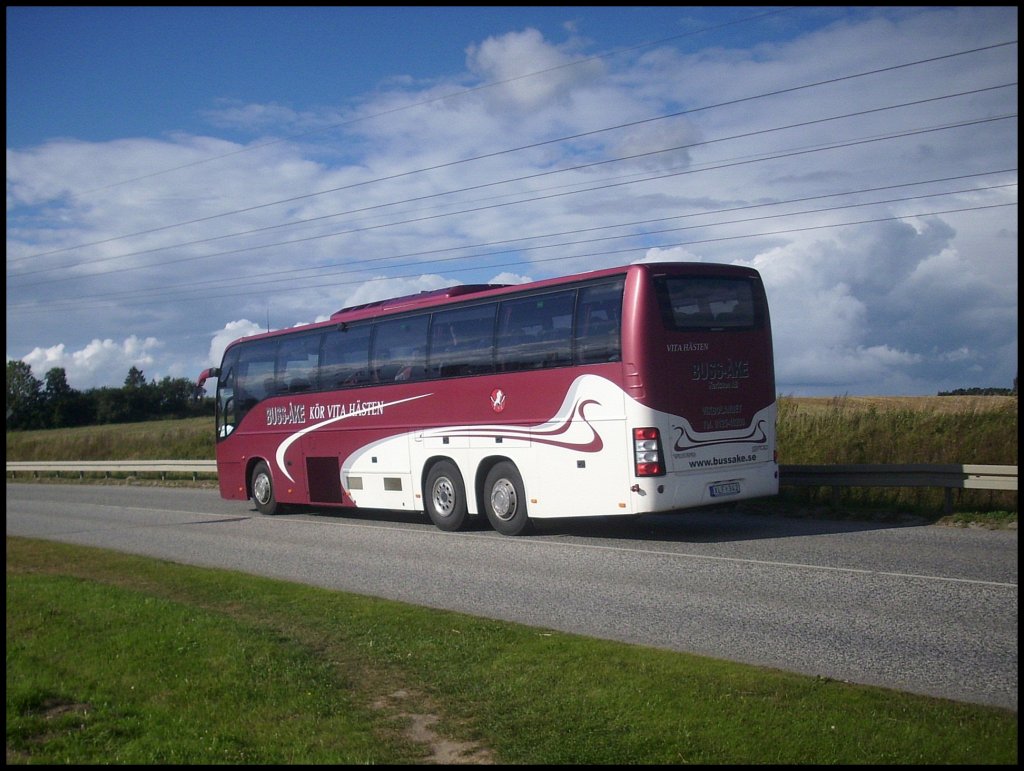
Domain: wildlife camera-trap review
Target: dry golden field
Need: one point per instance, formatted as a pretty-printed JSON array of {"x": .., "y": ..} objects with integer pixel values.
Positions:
[{"x": 936, "y": 404}]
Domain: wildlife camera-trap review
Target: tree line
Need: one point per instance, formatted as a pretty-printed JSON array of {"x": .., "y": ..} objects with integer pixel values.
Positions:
[
  {"x": 52, "y": 403},
  {"x": 982, "y": 391}
]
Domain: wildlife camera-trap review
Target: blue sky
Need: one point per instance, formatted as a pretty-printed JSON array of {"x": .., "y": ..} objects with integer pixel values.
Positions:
[
  {"x": 178, "y": 177},
  {"x": 100, "y": 74}
]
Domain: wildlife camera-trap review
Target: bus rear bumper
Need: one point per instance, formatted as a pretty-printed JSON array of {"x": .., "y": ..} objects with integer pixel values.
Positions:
[{"x": 688, "y": 489}]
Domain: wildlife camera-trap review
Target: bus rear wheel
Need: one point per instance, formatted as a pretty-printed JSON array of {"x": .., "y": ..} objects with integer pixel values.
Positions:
[
  {"x": 263, "y": 490},
  {"x": 446, "y": 497},
  {"x": 505, "y": 500}
]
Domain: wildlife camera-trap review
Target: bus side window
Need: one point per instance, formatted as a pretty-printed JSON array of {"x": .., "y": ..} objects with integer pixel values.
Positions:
[
  {"x": 297, "y": 359},
  {"x": 598, "y": 323},
  {"x": 536, "y": 331},
  {"x": 399, "y": 348},
  {"x": 462, "y": 341},
  {"x": 345, "y": 357}
]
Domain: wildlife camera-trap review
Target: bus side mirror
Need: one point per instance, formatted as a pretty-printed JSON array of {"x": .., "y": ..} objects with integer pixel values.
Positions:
[{"x": 206, "y": 374}]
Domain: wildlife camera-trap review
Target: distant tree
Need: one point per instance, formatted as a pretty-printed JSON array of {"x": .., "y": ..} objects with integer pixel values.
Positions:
[
  {"x": 24, "y": 397},
  {"x": 135, "y": 378},
  {"x": 109, "y": 404},
  {"x": 31, "y": 404},
  {"x": 64, "y": 406},
  {"x": 978, "y": 392},
  {"x": 57, "y": 383},
  {"x": 173, "y": 396},
  {"x": 140, "y": 399},
  {"x": 56, "y": 395}
]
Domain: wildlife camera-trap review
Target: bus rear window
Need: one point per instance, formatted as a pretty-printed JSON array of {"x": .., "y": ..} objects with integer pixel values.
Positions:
[{"x": 689, "y": 303}]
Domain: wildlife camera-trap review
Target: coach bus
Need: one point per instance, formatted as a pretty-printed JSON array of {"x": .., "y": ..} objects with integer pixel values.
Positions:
[{"x": 622, "y": 391}]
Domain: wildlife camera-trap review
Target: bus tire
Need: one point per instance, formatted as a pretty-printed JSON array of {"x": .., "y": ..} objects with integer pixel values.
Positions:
[
  {"x": 446, "y": 497},
  {"x": 505, "y": 500},
  {"x": 263, "y": 490}
]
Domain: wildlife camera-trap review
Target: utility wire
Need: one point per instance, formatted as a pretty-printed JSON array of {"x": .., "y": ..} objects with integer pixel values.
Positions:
[
  {"x": 444, "y": 97},
  {"x": 533, "y": 145},
  {"x": 690, "y": 146},
  {"x": 288, "y": 275},
  {"x": 521, "y": 262},
  {"x": 789, "y": 154},
  {"x": 249, "y": 281}
]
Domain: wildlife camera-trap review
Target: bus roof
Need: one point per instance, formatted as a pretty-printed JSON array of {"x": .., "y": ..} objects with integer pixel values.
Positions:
[
  {"x": 438, "y": 297},
  {"x": 427, "y": 297}
]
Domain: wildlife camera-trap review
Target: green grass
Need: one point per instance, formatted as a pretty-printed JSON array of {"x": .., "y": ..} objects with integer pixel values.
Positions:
[{"x": 113, "y": 658}]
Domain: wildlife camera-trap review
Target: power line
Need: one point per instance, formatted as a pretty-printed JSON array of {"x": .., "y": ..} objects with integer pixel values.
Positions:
[
  {"x": 355, "y": 266},
  {"x": 249, "y": 279},
  {"x": 444, "y": 97},
  {"x": 534, "y": 199},
  {"x": 533, "y": 145},
  {"x": 646, "y": 247},
  {"x": 281, "y": 274},
  {"x": 691, "y": 145},
  {"x": 522, "y": 178}
]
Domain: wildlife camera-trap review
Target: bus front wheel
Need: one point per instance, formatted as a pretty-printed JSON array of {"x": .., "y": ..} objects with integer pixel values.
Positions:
[
  {"x": 263, "y": 490},
  {"x": 505, "y": 500},
  {"x": 446, "y": 497}
]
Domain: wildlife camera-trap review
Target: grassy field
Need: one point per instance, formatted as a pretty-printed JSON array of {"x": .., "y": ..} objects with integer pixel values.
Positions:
[
  {"x": 849, "y": 429},
  {"x": 943, "y": 405},
  {"x": 117, "y": 659},
  {"x": 897, "y": 430},
  {"x": 846, "y": 429}
]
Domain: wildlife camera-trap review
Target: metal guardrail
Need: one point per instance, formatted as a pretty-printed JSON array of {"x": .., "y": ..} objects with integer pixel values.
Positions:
[
  {"x": 912, "y": 475},
  {"x": 948, "y": 477},
  {"x": 80, "y": 467}
]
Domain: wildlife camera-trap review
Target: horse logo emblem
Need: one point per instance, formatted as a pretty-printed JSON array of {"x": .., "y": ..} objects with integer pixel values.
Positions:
[{"x": 497, "y": 400}]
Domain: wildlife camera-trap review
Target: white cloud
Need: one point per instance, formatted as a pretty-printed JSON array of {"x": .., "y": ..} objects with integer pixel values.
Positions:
[
  {"x": 314, "y": 223},
  {"x": 383, "y": 288},
  {"x": 510, "y": 278},
  {"x": 101, "y": 362},
  {"x": 507, "y": 58},
  {"x": 224, "y": 337},
  {"x": 675, "y": 254}
]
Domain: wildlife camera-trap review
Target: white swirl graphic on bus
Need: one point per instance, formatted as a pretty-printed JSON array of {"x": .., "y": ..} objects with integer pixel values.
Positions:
[
  {"x": 537, "y": 434},
  {"x": 371, "y": 408},
  {"x": 756, "y": 435}
]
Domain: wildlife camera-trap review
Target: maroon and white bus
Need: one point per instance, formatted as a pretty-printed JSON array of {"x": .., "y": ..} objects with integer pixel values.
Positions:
[{"x": 624, "y": 391}]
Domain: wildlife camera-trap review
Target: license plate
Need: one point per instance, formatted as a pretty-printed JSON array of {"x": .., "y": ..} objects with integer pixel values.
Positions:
[{"x": 725, "y": 488}]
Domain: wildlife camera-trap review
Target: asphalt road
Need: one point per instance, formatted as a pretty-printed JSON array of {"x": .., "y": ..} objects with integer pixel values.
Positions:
[{"x": 926, "y": 609}]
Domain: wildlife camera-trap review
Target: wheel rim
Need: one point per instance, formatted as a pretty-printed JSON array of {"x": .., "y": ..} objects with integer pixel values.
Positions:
[
  {"x": 443, "y": 497},
  {"x": 261, "y": 488},
  {"x": 503, "y": 500}
]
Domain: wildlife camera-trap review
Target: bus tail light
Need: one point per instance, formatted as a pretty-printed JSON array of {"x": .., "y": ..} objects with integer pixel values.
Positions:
[{"x": 647, "y": 455}]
